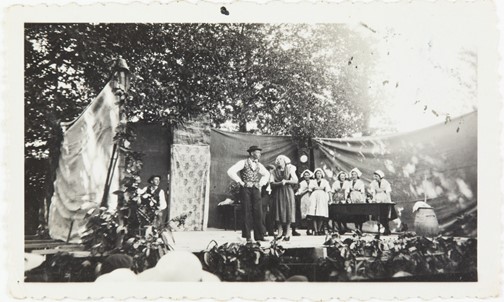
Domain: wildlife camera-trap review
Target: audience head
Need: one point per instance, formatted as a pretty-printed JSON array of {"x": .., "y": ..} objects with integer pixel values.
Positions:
[
  {"x": 114, "y": 262},
  {"x": 178, "y": 266},
  {"x": 297, "y": 278},
  {"x": 118, "y": 275}
]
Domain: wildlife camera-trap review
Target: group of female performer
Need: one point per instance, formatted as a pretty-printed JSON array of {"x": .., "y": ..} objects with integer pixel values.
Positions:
[{"x": 317, "y": 196}]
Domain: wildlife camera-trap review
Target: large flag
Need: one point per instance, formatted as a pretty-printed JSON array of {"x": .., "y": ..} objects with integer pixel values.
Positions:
[{"x": 81, "y": 175}]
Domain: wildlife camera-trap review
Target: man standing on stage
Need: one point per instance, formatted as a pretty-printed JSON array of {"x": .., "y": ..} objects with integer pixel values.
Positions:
[{"x": 251, "y": 175}]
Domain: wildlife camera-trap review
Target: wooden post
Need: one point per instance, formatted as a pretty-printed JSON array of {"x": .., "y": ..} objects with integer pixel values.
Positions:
[
  {"x": 120, "y": 82},
  {"x": 110, "y": 174}
]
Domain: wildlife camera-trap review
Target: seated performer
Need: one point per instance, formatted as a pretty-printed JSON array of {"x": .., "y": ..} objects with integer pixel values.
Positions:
[
  {"x": 339, "y": 187},
  {"x": 153, "y": 202}
]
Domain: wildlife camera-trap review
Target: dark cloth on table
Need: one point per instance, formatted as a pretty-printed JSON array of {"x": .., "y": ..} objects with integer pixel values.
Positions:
[{"x": 386, "y": 214}]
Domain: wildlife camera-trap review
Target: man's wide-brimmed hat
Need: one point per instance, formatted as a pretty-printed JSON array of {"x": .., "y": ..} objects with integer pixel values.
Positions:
[
  {"x": 152, "y": 178},
  {"x": 253, "y": 148}
]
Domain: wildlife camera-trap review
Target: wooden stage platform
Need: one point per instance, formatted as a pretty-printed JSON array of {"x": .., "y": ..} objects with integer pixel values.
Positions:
[{"x": 193, "y": 241}]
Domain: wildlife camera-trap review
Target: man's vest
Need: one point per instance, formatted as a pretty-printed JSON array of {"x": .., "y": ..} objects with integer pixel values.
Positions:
[
  {"x": 250, "y": 177},
  {"x": 155, "y": 195}
]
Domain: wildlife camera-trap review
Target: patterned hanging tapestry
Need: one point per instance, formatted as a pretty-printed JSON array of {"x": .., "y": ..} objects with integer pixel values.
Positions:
[{"x": 190, "y": 170}]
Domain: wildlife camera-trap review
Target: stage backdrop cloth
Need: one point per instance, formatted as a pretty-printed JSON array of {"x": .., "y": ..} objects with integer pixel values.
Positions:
[
  {"x": 227, "y": 148},
  {"x": 439, "y": 161},
  {"x": 83, "y": 165},
  {"x": 190, "y": 167}
]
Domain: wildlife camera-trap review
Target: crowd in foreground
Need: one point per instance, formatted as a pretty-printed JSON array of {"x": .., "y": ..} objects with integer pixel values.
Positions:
[{"x": 175, "y": 266}]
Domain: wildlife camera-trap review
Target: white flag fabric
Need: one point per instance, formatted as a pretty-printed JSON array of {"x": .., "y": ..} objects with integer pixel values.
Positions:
[{"x": 85, "y": 157}]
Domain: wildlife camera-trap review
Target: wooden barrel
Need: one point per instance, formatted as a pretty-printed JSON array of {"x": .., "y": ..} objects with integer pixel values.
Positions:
[{"x": 426, "y": 223}]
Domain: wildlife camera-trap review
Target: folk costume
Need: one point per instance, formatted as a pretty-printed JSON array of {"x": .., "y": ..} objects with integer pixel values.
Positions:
[
  {"x": 251, "y": 175},
  {"x": 283, "y": 195},
  {"x": 319, "y": 198},
  {"x": 284, "y": 202},
  {"x": 303, "y": 193},
  {"x": 340, "y": 190},
  {"x": 380, "y": 189},
  {"x": 153, "y": 202},
  {"x": 356, "y": 191}
]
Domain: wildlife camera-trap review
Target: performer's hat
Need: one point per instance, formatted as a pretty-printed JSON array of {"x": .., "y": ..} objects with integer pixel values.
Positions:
[
  {"x": 310, "y": 173},
  {"x": 253, "y": 148},
  {"x": 318, "y": 169},
  {"x": 339, "y": 173},
  {"x": 359, "y": 173},
  {"x": 379, "y": 173},
  {"x": 152, "y": 178}
]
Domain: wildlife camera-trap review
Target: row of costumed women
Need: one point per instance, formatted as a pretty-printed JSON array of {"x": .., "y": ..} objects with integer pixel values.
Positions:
[{"x": 317, "y": 194}]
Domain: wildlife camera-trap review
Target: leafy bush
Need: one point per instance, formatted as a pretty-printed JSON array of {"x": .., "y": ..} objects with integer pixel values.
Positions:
[
  {"x": 357, "y": 258},
  {"x": 245, "y": 262}
]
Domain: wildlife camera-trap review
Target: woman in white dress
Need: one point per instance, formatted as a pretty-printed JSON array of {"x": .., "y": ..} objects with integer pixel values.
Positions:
[
  {"x": 319, "y": 200},
  {"x": 303, "y": 193},
  {"x": 339, "y": 188},
  {"x": 380, "y": 188},
  {"x": 356, "y": 193}
]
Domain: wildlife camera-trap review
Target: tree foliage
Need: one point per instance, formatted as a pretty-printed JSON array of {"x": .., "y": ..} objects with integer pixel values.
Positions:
[{"x": 290, "y": 79}]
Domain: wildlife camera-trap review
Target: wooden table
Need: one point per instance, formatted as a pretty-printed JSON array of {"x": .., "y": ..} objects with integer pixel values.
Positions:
[
  {"x": 382, "y": 211},
  {"x": 228, "y": 212}
]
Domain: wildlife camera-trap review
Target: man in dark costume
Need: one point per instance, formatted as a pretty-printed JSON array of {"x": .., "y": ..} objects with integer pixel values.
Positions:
[{"x": 251, "y": 175}]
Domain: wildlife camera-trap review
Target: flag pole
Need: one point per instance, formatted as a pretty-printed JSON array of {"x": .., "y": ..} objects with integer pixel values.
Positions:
[{"x": 120, "y": 85}]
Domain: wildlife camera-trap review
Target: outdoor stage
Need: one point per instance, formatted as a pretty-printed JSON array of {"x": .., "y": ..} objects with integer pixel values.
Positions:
[
  {"x": 197, "y": 241},
  {"x": 395, "y": 258}
]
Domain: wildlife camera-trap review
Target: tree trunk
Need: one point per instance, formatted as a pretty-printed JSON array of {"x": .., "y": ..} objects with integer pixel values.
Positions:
[{"x": 242, "y": 126}]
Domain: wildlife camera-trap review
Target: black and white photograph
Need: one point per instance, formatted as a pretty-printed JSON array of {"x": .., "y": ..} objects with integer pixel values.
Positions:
[{"x": 342, "y": 151}]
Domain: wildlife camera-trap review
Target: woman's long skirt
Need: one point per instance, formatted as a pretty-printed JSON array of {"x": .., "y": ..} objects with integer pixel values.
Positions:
[{"x": 284, "y": 204}]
